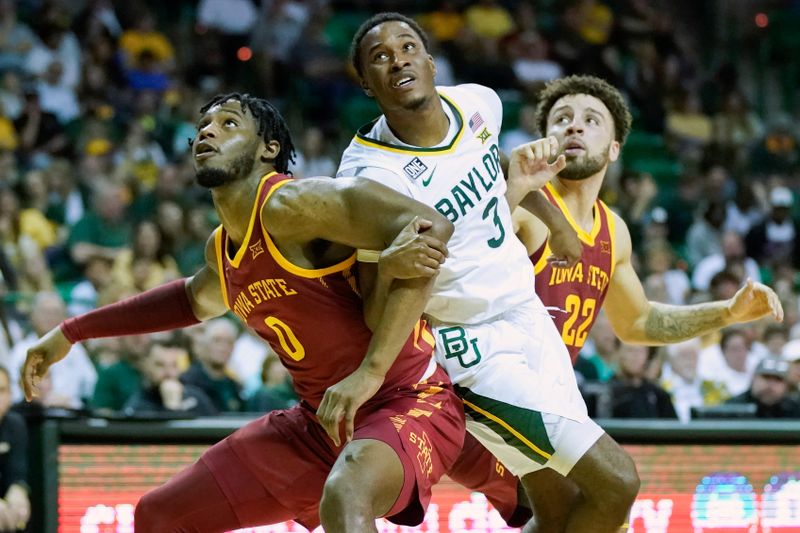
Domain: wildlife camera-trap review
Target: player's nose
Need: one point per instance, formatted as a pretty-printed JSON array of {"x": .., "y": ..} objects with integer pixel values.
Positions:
[
  {"x": 207, "y": 131},
  {"x": 575, "y": 127},
  {"x": 399, "y": 62}
]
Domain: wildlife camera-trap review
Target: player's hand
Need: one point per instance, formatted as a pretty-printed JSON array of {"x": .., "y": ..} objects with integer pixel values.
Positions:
[
  {"x": 565, "y": 246},
  {"x": 19, "y": 505},
  {"x": 529, "y": 164},
  {"x": 413, "y": 253},
  {"x": 754, "y": 301},
  {"x": 8, "y": 520},
  {"x": 50, "y": 349},
  {"x": 342, "y": 401}
]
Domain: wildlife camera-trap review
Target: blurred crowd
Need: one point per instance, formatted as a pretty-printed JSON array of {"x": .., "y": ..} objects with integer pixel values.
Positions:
[{"x": 98, "y": 202}]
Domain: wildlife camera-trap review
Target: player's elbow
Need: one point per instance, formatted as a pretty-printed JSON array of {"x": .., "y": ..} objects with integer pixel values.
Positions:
[
  {"x": 441, "y": 228},
  {"x": 632, "y": 332},
  {"x": 205, "y": 300},
  {"x": 633, "y": 338}
]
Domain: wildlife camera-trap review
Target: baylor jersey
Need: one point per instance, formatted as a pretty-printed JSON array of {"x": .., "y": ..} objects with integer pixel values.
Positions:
[{"x": 488, "y": 271}]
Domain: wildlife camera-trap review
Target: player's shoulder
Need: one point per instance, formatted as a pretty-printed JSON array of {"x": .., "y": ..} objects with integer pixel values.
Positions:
[
  {"x": 615, "y": 218},
  {"x": 620, "y": 232},
  {"x": 369, "y": 130},
  {"x": 211, "y": 245},
  {"x": 366, "y": 143},
  {"x": 480, "y": 96},
  {"x": 481, "y": 91},
  {"x": 485, "y": 95},
  {"x": 299, "y": 205},
  {"x": 370, "y": 171},
  {"x": 368, "y": 157},
  {"x": 301, "y": 199},
  {"x": 474, "y": 89}
]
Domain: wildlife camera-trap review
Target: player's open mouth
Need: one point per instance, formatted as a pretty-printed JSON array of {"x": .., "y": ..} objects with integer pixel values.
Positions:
[
  {"x": 403, "y": 82},
  {"x": 574, "y": 147},
  {"x": 204, "y": 151}
]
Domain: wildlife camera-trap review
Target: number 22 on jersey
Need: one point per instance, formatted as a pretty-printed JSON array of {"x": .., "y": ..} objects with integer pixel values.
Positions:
[{"x": 574, "y": 333}]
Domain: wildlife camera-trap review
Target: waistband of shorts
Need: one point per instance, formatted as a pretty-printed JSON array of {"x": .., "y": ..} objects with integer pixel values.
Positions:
[{"x": 532, "y": 306}]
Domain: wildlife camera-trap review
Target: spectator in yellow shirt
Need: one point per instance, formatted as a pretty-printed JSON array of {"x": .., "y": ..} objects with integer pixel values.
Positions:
[
  {"x": 444, "y": 23},
  {"x": 144, "y": 36},
  {"x": 490, "y": 20}
]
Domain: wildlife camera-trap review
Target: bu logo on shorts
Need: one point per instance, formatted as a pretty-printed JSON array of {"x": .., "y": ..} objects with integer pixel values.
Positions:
[{"x": 457, "y": 345}]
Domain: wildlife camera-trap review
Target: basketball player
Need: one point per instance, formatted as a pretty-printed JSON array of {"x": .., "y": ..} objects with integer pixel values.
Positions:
[
  {"x": 494, "y": 337},
  {"x": 590, "y": 120},
  {"x": 284, "y": 262}
]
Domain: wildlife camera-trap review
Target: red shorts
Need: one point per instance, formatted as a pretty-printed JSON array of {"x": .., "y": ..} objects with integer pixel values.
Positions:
[{"x": 288, "y": 456}]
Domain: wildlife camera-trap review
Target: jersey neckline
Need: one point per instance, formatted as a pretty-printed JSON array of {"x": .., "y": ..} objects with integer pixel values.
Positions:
[
  {"x": 361, "y": 135},
  {"x": 587, "y": 237}
]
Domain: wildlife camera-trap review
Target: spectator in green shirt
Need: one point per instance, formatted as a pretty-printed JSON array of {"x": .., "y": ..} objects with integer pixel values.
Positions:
[
  {"x": 103, "y": 231},
  {"x": 209, "y": 371},
  {"x": 117, "y": 383}
]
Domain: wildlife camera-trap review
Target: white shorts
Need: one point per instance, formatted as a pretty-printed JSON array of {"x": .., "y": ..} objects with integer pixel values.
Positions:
[{"x": 515, "y": 377}]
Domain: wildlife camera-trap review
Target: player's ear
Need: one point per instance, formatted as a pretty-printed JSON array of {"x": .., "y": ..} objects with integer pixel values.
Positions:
[
  {"x": 270, "y": 151},
  {"x": 433, "y": 64},
  {"x": 366, "y": 88},
  {"x": 613, "y": 151}
]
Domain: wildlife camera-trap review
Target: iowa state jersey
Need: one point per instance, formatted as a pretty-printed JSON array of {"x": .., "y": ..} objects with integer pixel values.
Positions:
[
  {"x": 574, "y": 295},
  {"x": 313, "y": 319},
  {"x": 488, "y": 271}
]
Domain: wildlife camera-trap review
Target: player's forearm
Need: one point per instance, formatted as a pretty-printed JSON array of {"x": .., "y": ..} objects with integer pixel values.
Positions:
[
  {"x": 405, "y": 303},
  {"x": 666, "y": 324},
  {"x": 160, "y": 309},
  {"x": 515, "y": 192},
  {"x": 540, "y": 206},
  {"x": 375, "y": 301}
]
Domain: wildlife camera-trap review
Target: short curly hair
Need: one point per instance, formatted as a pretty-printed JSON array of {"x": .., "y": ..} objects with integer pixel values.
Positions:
[
  {"x": 375, "y": 20},
  {"x": 593, "y": 86}
]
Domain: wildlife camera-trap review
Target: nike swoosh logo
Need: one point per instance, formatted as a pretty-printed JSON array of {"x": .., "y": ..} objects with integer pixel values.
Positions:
[{"x": 425, "y": 182}]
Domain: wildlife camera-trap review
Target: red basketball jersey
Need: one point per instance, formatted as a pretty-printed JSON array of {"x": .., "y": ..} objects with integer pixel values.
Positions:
[
  {"x": 575, "y": 295},
  {"x": 313, "y": 319}
]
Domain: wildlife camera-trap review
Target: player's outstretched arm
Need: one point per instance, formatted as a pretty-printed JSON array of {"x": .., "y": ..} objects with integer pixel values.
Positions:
[
  {"x": 636, "y": 320},
  {"x": 19, "y": 505},
  {"x": 528, "y": 170},
  {"x": 178, "y": 304},
  {"x": 362, "y": 214}
]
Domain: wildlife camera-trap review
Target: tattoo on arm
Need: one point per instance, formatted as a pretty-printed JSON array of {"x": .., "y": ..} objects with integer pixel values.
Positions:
[{"x": 667, "y": 324}]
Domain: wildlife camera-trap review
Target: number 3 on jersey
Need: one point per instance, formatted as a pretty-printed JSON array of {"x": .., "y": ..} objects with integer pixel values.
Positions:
[
  {"x": 491, "y": 207},
  {"x": 572, "y": 335},
  {"x": 286, "y": 337}
]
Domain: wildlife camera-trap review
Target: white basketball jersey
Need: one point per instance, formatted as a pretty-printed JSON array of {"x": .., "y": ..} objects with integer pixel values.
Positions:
[{"x": 488, "y": 270}]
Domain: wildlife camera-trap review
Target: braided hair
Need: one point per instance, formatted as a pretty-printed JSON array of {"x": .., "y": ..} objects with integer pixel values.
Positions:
[{"x": 271, "y": 125}]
